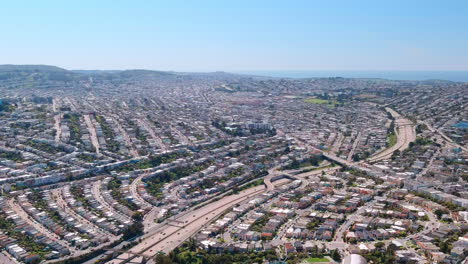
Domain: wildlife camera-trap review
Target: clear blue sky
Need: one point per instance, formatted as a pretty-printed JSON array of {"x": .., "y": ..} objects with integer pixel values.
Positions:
[{"x": 236, "y": 35}]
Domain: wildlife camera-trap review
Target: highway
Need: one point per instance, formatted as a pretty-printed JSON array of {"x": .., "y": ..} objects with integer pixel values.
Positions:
[
  {"x": 338, "y": 159},
  {"x": 355, "y": 144},
  {"x": 171, "y": 233},
  {"x": 443, "y": 137},
  {"x": 174, "y": 232},
  {"x": 270, "y": 178},
  {"x": 405, "y": 132},
  {"x": 275, "y": 174}
]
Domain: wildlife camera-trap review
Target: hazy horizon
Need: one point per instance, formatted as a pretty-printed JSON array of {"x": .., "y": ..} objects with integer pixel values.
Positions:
[{"x": 456, "y": 76}]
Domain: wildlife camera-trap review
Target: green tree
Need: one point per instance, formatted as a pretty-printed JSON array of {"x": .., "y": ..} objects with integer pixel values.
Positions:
[
  {"x": 138, "y": 216},
  {"x": 335, "y": 255},
  {"x": 162, "y": 258}
]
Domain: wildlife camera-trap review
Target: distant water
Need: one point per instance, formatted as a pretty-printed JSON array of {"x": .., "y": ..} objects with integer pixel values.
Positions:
[{"x": 456, "y": 76}]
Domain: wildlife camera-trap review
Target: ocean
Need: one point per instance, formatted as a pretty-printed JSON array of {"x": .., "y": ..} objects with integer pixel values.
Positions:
[{"x": 456, "y": 76}]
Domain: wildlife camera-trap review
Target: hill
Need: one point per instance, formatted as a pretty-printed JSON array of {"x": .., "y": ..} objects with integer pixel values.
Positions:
[{"x": 30, "y": 68}]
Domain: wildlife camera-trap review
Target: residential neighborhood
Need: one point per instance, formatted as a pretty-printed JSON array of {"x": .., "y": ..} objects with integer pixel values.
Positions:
[{"x": 227, "y": 166}]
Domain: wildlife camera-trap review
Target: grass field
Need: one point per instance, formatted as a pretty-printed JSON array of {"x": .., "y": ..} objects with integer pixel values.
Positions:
[
  {"x": 316, "y": 101},
  {"x": 317, "y": 260},
  {"x": 391, "y": 139},
  {"x": 330, "y": 103}
]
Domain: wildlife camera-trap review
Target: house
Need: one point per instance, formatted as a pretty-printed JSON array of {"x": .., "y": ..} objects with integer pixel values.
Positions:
[{"x": 289, "y": 248}]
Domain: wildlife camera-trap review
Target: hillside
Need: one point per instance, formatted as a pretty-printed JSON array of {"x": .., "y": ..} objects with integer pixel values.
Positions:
[{"x": 30, "y": 68}]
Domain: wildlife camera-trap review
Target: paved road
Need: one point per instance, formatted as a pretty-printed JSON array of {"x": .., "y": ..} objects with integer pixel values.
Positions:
[
  {"x": 337, "y": 144},
  {"x": 147, "y": 126},
  {"x": 350, "y": 221},
  {"x": 134, "y": 191},
  {"x": 181, "y": 228},
  {"x": 428, "y": 165},
  {"x": 54, "y": 104},
  {"x": 339, "y": 160},
  {"x": 443, "y": 137},
  {"x": 353, "y": 149},
  {"x": 316, "y": 172},
  {"x": 274, "y": 172},
  {"x": 152, "y": 215},
  {"x": 57, "y": 127},
  {"x": 39, "y": 227},
  {"x": 7, "y": 259},
  {"x": 126, "y": 138},
  {"x": 92, "y": 132},
  {"x": 96, "y": 191},
  {"x": 60, "y": 201},
  {"x": 70, "y": 103},
  {"x": 405, "y": 132},
  {"x": 182, "y": 138}
]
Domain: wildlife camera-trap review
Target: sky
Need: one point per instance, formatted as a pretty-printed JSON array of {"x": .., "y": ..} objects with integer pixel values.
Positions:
[{"x": 238, "y": 35}]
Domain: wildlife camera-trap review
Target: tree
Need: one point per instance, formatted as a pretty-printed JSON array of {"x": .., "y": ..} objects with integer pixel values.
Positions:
[
  {"x": 379, "y": 244},
  {"x": 439, "y": 213},
  {"x": 356, "y": 157},
  {"x": 335, "y": 255},
  {"x": 137, "y": 216},
  {"x": 191, "y": 244},
  {"x": 161, "y": 258},
  {"x": 135, "y": 229},
  {"x": 444, "y": 246},
  {"x": 351, "y": 181},
  {"x": 295, "y": 164}
]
